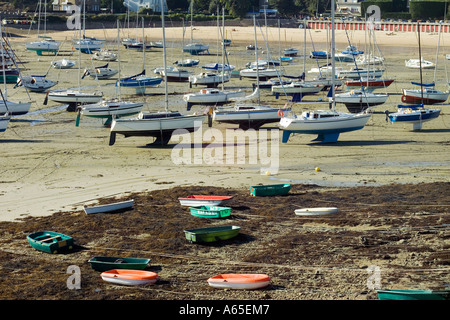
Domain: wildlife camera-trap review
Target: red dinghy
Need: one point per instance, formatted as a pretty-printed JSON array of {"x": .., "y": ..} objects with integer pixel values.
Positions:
[
  {"x": 129, "y": 277},
  {"x": 198, "y": 200},
  {"x": 243, "y": 281},
  {"x": 374, "y": 83}
]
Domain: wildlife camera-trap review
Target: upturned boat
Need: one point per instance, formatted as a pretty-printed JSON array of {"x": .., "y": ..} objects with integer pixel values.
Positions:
[
  {"x": 242, "y": 281},
  {"x": 200, "y": 200},
  {"x": 110, "y": 263},
  {"x": 211, "y": 234},
  {"x": 270, "y": 190},
  {"x": 129, "y": 277},
  {"x": 50, "y": 241},
  {"x": 110, "y": 207},
  {"x": 402, "y": 294},
  {"x": 316, "y": 211}
]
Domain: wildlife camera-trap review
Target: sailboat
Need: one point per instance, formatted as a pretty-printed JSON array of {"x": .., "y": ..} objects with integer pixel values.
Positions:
[
  {"x": 86, "y": 44},
  {"x": 9, "y": 108},
  {"x": 327, "y": 124},
  {"x": 73, "y": 97},
  {"x": 195, "y": 48},
  {"x": 100, "y": 73},
  {"x": 427, "y": 94},
  {"x": 36, "y": 83},
  {"x": 160, "y": 125},
  {"x": 214, "y": 95},
  {"x": 139, "y": 82},
  {"x": 47, "y": 44},
  {"x": 416, "y": 114},
  {"x": 107, "y": 109},
  {"x": 249, "y": 116}
]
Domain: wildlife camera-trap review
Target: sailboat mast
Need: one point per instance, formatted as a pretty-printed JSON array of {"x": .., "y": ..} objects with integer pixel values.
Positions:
[
  {"x": 143, "y": 44},
  {"x": 420, "y": 62},
  {"x": 333, "y": 66},
  {"x": 164, "y": 56},
  {"x": 118, "y": 57},
  {"x": 256, "y": 56}
]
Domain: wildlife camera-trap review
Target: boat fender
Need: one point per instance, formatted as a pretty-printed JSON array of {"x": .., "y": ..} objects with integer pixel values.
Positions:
[{"x": 280, "y": 113}]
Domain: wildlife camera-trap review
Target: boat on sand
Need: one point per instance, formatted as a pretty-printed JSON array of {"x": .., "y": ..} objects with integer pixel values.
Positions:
[{"x": 243, "y": 281}]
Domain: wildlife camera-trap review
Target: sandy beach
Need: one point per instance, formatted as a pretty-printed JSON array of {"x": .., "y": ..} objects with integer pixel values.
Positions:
[
  {"x": 49, "y": 164},
  {"x": 390, "y": 182}
]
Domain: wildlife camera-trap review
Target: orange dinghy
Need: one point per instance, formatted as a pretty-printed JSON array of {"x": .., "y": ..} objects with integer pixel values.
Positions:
[
  {"x": 246, "y": 281},
  {"x": 129, "y": 277}
]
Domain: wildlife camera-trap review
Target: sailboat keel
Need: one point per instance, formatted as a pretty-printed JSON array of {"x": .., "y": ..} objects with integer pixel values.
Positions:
[
  {"x": 286, "y": 135},
  {"x": 327, "y": 137}
]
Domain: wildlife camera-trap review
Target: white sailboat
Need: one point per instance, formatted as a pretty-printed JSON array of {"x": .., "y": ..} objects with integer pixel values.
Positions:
[
  {"x": 160, "y": 125},
  {"x": 63, "y": 64},
  {"x": 327, "y": 124},
  {"x": 100, "y": 73},
  {"x": 249, "y": 116},
  {"x": 195, "y": 48},
  {"x": 47, "y": 44},
  {"x": 36, "y": 83},
  {"x": 9, "y": 108},
  {"x": 107, "y": 109},
  {"x": 73, "y": 97}
]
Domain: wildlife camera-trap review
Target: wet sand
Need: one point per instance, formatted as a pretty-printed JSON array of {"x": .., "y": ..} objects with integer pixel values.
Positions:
[{"x": 389, "y": 182}]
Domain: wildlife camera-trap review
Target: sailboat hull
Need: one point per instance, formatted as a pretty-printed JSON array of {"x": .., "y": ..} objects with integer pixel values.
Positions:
[
  {"x": 155, "y": 125},
  {"x": 14, "y": 108},
  {"x": 415, "y": 96}
]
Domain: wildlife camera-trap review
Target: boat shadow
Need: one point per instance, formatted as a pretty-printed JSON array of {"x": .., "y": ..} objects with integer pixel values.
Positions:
[
  {"x": 23, "y": 141},
  {"x": 360, "y": 143}
]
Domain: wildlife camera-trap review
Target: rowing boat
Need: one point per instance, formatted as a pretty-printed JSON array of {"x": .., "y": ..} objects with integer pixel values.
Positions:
[
  {"x": 199, "y": 200},
  {"x": 241, "y": 281},
  {"x": 316, "y": 211},
  {"x": 129, "y": 277},
  {"x": 111, "y": 207},
  {"x": 50, "y": 241},
  {"x": 270, "y": 190},
  {"x": 210, "y": 212},
  {"x": 399, "y": 294},
  {"x": 212, "y": 234},
  {"x": 111, "y": 263}
]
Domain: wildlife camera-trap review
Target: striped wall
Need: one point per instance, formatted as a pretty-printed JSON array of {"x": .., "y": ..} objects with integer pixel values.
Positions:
[{"x": 384, "y": 26}]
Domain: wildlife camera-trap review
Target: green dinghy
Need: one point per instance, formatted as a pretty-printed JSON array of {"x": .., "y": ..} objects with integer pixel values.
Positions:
[
  {"x": 398, "y": 294},
  {"x": 210, "y": 212},
  {"x": 270, "y": 190},
  {"x": 109, "y": 263},
  {"x": 50, "y": 241},
  {"x": 212, "y": 234}
]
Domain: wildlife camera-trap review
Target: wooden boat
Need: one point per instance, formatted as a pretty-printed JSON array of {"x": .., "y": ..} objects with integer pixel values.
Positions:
[
  {"x": 129, "y": 277},
  {"x": 50, "y": 241},
  {"x": 198, "y": 200},
  {"x": 398, "y": 294},
  {"x": 110, "y": 263},
  {"x": 212, "y": 234},
  {"x": 316, "y": 211},
  {"x": 270, "y": 190},
  {"x": 243, "y": 281},
  {"x": 210, "y": 212},
  {"x": 111, "y": 207}
]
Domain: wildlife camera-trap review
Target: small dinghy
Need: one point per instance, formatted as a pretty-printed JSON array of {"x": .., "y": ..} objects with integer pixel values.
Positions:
[
  {"x": 212, "y": 234},
  {"x": 111, "y": 207},
  {"x": 110, "y": 263},
  {"x": 270, "y": 190},
  {"x": 316, "y": 211},
  {"x": 245, "y": 281},
  {"x": 210, "y": 212},
  {"x": 403, "y": 294},
  {"x": 198, "y": 200},
  {"x": 129, "y": 277},
  {"x": 63, "y": 64},
  {"x": 50, "y": 241}
]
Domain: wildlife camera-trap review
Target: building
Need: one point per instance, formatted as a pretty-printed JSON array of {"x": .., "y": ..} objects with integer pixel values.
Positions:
[
  {"x": 350, "y": 7},
  {"x": 136, "y": 5},
  {"x": 63, "y": 5}
]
